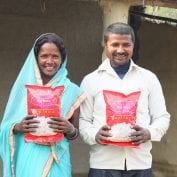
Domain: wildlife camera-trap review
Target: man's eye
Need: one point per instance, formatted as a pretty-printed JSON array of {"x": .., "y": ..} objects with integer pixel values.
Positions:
[
  {"x": 115, "y": 45},
  {"x": 127, "y": 45}
]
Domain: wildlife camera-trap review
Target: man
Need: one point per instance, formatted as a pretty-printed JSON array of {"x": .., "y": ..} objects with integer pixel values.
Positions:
[{"x": 119, "y": 73}]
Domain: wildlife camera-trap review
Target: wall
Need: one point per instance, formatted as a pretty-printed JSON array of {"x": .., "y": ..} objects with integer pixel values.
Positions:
[
  {"x": 23, "y": 20},
  {"x": 158, "y": 53}
]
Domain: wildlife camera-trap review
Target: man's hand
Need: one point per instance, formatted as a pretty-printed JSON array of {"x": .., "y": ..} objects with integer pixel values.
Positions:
[
  {"x": 141, "y": 135},
  {"x": 102, "y": 134}
]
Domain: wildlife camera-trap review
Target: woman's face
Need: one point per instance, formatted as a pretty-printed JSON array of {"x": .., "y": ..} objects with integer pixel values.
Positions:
[{"x": 49, "y": 60}]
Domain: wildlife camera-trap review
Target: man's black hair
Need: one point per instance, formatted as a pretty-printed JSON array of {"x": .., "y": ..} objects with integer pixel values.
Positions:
[{"x": 119, "y": 28}]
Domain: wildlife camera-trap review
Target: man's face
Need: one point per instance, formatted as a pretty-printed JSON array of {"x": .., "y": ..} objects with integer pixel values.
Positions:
[{"x": 119, "y": 49}]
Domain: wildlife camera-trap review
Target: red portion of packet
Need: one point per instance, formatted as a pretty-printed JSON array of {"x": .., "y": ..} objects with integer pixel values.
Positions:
[
  {"x": 120, "y": 108},
  {"x": 44, "y": 101}
]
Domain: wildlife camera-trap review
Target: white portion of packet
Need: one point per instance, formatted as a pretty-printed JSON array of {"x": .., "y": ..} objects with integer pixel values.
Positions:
[
  {"x": 43, "y": 127},
  {"x": 120, "y": 132}
]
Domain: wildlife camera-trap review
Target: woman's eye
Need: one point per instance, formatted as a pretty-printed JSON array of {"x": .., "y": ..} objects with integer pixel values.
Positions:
[
  {"x": 56, "y": 57},
  {"x": 43, "y": 56}
]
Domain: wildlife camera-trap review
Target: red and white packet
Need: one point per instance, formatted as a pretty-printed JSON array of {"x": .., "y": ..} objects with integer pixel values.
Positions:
[
  {"x": 120, "y": 109},
  {"x": 45, "y": 102}
]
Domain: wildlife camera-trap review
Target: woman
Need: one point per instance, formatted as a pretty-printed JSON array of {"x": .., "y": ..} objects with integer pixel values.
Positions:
[{"x": 44, "y": 66}]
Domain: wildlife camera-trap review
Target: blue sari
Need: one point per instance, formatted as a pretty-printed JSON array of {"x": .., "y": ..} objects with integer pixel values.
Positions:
[{"x": 22, "y": 159}]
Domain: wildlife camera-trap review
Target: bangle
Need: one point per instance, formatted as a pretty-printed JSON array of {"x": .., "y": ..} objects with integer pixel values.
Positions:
[
  {"x": 74, "y": 134},
  {"x": 72, "y": 131}
]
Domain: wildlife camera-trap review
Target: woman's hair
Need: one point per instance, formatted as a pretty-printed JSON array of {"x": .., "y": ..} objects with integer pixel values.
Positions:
[
  {"x": 119, "y": 28},
  {"x": 53, "y": 38}
]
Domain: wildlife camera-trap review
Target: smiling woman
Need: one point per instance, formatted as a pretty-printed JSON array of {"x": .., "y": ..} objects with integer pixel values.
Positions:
[
  {"x": 49, "y": 61},
  {"x": 45, "y": 67},
  {"x": 50, "y": 54}
]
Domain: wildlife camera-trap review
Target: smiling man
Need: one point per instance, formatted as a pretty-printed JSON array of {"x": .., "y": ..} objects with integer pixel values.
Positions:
[{"x": 137, "y": 103}]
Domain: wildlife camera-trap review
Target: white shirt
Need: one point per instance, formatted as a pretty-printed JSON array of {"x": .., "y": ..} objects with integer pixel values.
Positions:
[{"x": 151, "y": 114}]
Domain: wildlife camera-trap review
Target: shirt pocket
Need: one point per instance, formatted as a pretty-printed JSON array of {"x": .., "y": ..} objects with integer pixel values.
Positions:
[
  {"x": 143, "y": 108},
  {"x": 143, "y": 103}
]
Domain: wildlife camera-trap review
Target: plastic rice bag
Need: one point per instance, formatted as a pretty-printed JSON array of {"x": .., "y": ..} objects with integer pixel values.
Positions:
[
  {"x": 43, "y": 127},
  {"x": 120, "y": 116},
  {"x": 121, "y": 132},
  {"x": 45, "y": 103}
]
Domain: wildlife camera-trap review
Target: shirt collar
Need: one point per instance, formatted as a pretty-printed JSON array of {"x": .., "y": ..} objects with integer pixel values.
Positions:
[{"x": 106, "y": 66}]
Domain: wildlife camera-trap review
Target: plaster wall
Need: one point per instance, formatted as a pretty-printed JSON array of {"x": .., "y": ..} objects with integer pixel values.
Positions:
[{"x": 158, "y": 53}]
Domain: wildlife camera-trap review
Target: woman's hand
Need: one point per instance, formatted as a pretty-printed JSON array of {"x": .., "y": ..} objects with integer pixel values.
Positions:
[
  {"x": 27, "y": 125},
  {"x": 102, "y": 134},
  {"x": 60, "y": 125}
]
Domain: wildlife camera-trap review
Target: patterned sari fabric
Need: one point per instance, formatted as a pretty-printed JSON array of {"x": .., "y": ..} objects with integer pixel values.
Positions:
[{"x": 22, "y": 159}]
